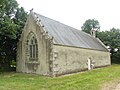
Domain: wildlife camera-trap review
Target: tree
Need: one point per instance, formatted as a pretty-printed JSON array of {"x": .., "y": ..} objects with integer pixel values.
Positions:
[
  {"x": 12, "y": 19},
  {"x": 89, "y": 25},
  {"x": 111, "y": 38}
]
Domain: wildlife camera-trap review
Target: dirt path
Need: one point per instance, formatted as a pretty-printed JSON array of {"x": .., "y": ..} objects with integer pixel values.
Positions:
[{"x": 115, "y": 85}]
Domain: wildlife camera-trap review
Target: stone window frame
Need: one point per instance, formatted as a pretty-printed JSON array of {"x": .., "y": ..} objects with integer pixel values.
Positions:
[
  {"x": 33, "y": 49},
  {"x": 31, "y": 42}
]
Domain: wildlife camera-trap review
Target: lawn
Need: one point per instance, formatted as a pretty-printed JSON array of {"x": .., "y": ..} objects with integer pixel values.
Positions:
[{"x": 88, "y": 80}]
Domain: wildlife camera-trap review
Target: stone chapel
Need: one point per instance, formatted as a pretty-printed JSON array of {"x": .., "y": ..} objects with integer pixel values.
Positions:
[{"x": 48, "y": 47}]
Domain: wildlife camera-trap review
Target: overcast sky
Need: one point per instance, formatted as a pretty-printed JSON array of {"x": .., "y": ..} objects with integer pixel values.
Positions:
[{"x": 75, "y": 12}]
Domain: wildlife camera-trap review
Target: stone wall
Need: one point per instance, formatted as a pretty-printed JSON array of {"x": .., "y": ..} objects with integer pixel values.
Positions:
[{"x": 72, "y": 59}]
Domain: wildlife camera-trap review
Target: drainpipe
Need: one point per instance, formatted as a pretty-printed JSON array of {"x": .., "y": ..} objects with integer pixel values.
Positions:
[{"x": 89, "y": 63}]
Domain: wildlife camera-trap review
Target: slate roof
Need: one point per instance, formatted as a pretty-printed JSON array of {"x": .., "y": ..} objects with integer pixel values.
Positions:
[{"x": 66, "y": 35}]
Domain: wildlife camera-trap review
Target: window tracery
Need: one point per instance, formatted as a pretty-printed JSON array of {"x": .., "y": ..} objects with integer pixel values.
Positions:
[{"x": 33, "y": 49}]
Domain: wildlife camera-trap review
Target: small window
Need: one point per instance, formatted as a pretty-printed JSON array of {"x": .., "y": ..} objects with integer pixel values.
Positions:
[{"x": 33, "y": 48}]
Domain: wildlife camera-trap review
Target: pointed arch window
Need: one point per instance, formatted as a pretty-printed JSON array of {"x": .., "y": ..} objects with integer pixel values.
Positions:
[{"x": 33, "y": 49}]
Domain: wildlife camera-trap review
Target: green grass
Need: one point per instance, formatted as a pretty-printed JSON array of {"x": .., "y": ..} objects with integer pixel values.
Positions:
[{"x": 88, "y": 80}]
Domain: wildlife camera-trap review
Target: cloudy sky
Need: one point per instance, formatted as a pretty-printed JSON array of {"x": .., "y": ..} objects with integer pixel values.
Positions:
[{"x": 75, "y": 12}]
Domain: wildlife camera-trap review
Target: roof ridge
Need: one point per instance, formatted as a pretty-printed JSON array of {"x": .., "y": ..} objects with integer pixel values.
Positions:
[
  {"x": 57, "y": 21},
  {"x": 64, "y": 24}
]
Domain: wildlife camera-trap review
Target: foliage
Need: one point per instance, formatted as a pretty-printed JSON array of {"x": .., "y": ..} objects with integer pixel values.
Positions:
[
  {"x": 89, "y": 80},
  {"x": 89, "y": 25},
  {"x": 111, "y": 38},
  {"x": 12, "y": 19}
]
